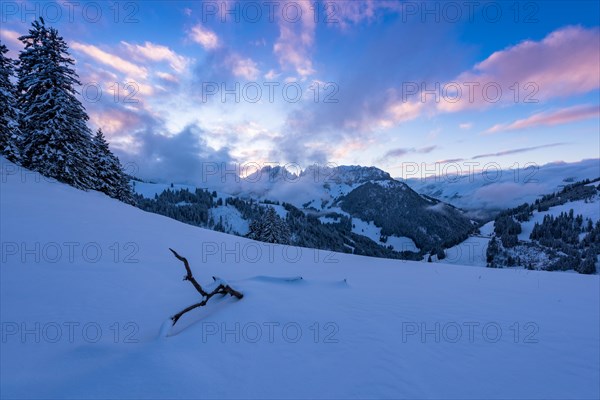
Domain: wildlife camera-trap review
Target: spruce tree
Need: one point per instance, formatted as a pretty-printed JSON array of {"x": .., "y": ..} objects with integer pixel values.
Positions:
[
  {"x": 109, "y": 175},
  {"x": 10, "y": 135},
  {"x": 270, "y": 228},
  {"x": 56, "y": 140}
]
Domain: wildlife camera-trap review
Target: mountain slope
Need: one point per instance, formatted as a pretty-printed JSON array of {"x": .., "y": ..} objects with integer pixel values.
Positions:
[
  {"x": 363, "y": 309},
  {"x": 400, "y": 211}
]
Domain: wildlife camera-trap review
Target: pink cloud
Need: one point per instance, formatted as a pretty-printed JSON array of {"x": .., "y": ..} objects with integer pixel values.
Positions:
[
  {"x": 564, "y": 63},
  {"x": 563, "y": 116},
  {"x": 242, "y": 67},
  {"x": 11, "y": 36},
  {"x": 111, "y": 60},
  {"x": 403, "y": 111},
  {"x": 11, "y": 40},
  {"x": 204, "y": 37},
  {"x": 296, "y": 38},
  {"x": 167, "y": 77},
  {"x": 156, "y": 52}
]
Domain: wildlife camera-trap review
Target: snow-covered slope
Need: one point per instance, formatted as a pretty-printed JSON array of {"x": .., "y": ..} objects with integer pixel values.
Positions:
[
  {"x": 473, "y": 250},
  {"x": 481, "y": 192},
  {"x": 85, "y": 323},
  {"x": 587, "y": 209}
]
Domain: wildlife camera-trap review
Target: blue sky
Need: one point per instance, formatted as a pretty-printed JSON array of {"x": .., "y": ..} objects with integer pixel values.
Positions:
[{"x": 373, "y": 58}]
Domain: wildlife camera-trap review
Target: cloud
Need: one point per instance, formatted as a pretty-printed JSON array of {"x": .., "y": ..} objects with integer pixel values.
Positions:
[
  {"x": 501, "y": 153},
  {"x": 182, "y": 157},
  {"x": 242, "y": 67},
  {"x": 398, "y": 111},
  {"x": 11, "y": 39},
  {"x": 368, "y": 102},
  {"x": 156, "y": 52},
  {"x": 516, "y": 151},
  {"x": 506, "y": 194},
  {"x": 450, "y": 160},
  {"x": 344, "y": 13},
  {"x": 204, "y": 36},
  {"x": 563, "y": 116},
  {"x": 141, "y": 139},
  {"x": 564, "y": 63},
  {"x": 167, "y": 77},
  {"x": 466, "y": 125},
  {"x": 271, "y": 75},
  {"x": 402, "y": 151},
  {"x": 297, "y": 27},
  {"x": 221, "y": 56},
  {"x": 111, "y": 60},
  {"x": 296, "y": 38}
]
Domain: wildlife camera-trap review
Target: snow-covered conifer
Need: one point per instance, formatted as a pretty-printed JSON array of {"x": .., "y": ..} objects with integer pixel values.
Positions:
[
  {"x": 270, "y": 228},
  {"x": 109, "y": 175},
  {"x": 56, "y": 140},
  {"x": 10, "y": 135}
]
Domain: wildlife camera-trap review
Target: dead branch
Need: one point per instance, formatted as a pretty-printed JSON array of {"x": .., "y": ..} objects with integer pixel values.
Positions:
[{"x": 219, "y": 286}]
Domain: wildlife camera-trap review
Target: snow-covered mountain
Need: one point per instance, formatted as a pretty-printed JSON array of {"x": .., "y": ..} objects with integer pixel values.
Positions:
[
  {"x": 485, "y": 193},
  {"x": 87, "y": 282},
  {"x": 315, "y": 185},
  {"x": 384, "y": 211}
]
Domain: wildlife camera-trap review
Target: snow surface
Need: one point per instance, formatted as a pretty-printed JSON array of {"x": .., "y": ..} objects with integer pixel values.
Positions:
[
  {"x": 373, "y": 232},
  {"x": 363, "y": 309},
  {"x": 470, "y": 252},
  {"x": 232, "y": 219}
]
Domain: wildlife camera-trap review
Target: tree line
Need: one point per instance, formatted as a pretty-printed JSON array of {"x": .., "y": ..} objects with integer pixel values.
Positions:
[
  {"x": 43, "y": 126},
  {"x": 563, "y": 242}
]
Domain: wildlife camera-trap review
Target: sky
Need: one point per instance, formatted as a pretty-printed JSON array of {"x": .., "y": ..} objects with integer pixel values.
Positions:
[{"x": 179, "y": 85}]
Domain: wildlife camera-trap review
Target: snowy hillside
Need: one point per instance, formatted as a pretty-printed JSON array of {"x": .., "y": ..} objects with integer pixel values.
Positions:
[
  {"x": 87, "y": 281},
  {"x": 482, "y": 192},
  {"x": 576, "y": 201}
]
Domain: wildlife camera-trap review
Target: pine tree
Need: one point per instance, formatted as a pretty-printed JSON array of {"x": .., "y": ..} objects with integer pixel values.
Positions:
[
  {"x": 270, "y": 228},
  {"x": 492, "y": 250},
  {"x": 56, "y": 140},
  {"x": 441, "y": 254},
  {"x": 10, "y": 135},
  {"x": 109, "y": 176},
  {"x": 124, "y": 192}
]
